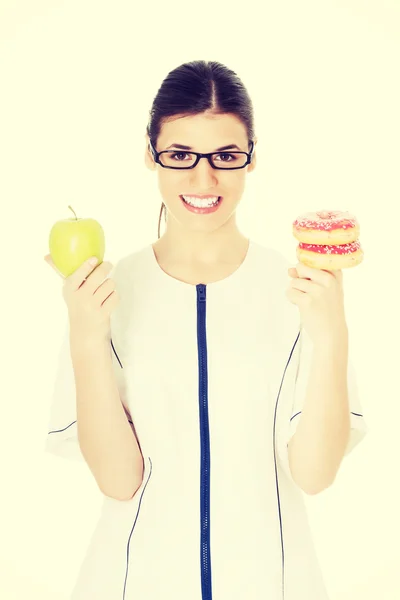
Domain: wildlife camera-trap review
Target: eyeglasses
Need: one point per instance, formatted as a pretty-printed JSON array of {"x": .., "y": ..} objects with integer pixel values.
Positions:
[{"x": 168, "y": 159}]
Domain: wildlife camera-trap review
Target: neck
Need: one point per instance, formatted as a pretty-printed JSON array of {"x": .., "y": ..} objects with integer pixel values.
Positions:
[{"x": 225, "y": 245}]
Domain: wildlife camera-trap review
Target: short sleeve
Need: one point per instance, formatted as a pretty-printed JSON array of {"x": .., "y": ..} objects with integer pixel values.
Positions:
[
  {"x": 62, "y": 433},
  {"x": 62, "y": 436},
  {"x": 357, "y": 421}
]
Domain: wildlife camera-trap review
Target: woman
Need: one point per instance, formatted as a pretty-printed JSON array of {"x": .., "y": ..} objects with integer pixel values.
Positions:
[{"x": 213, "y": 370}]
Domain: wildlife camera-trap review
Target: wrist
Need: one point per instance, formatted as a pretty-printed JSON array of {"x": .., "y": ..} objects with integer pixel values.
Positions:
[
  {"x": 81, "y": 344},
  {"x": 335, "y": 341}
]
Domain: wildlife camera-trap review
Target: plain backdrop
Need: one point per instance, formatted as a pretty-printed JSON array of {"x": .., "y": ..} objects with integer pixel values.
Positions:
[{"x": 77, "y": 81}]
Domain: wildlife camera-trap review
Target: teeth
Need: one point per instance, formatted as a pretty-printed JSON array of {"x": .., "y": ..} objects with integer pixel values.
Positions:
[{"x": 201, "y": 203}]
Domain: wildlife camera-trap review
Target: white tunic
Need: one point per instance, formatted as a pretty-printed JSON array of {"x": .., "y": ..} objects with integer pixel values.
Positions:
[{"x": 214, "y": 377}]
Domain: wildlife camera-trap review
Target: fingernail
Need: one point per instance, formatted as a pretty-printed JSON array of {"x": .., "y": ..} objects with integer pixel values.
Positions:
[{"x": 93, "y": 260}]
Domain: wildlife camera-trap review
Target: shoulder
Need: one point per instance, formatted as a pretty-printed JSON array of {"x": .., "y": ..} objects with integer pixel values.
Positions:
[
  {"x": 273, "y": 280},
  {"x": 271, "y": 259},
  {"x": 128, "y": 266},
  {"x": 127, "y": 272}
]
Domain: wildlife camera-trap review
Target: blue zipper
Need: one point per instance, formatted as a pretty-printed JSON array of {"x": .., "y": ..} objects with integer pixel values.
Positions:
[{"x": 205, "y": 553}]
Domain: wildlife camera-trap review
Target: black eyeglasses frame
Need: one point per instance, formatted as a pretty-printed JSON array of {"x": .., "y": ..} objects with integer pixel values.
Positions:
[{"x": 199, "y": 155}]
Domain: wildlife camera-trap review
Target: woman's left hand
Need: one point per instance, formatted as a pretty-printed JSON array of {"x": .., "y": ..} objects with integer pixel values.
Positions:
[{"x": 319, "y": 297}]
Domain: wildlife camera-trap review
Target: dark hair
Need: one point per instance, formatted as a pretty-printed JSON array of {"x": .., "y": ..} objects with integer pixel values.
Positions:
[{"x": 196, "y": 87}]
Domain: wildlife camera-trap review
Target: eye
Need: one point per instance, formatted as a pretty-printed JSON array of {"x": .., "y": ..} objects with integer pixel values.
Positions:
[
  {"x": 175, "y": 154},
  {"x": 233, "y": 157}
]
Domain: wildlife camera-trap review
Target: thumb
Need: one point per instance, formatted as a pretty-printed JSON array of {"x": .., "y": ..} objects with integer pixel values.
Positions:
[{"x": 49, "y": 261}]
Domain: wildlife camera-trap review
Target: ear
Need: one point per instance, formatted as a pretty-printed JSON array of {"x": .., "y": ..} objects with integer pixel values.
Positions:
[
  {"x": 148, "y": 157},
  {"x": 253, "y": 163}
]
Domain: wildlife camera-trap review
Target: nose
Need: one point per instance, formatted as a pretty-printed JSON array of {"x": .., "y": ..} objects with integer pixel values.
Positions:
[{"x": 203, "y": 175}]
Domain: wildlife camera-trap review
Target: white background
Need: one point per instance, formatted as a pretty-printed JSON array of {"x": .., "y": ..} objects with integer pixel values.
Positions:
[{"x": 77, "y": 82}]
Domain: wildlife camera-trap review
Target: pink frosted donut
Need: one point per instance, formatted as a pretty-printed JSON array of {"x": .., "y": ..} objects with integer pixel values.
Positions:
[
  {"x": 328, "y": 240},
  {"x": 326, "y": 227},
  {"x": 330, "y": 258}
]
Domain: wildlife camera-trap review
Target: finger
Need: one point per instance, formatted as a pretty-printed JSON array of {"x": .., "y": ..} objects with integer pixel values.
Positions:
[
  {"x": 317, "y": 275},
  {"x": 80, "y": 277},
  {"x": 111, "y": 300},
  {"x": 49, "y": 261},
  {"x": 304, "y": 285},
  {"x": 101, "y": 292},
  {"x": 338, "y": 274},
  {"x": 292, "y": 272},
  {"x": 295, "y": 296}
]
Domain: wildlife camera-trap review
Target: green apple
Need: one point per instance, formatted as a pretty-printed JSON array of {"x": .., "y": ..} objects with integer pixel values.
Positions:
[{"x": 73, "y": 241}]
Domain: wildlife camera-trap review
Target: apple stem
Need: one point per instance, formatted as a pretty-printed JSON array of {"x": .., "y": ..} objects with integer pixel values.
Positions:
[{"x": 73, "y": 212}]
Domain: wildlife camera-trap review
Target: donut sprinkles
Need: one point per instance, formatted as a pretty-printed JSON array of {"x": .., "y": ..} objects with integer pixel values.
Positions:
[
  {"x": 328, "y": 239},
  {"x": 327, "y": 221},
  {"x": 341, "y": 249}
]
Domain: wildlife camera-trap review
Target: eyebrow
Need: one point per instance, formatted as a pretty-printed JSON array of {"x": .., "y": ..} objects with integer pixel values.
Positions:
[{"x": 182, "y": 147}]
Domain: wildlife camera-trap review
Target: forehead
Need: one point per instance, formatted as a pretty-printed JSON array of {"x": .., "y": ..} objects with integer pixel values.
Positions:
[{"x": 203, "y": 131}]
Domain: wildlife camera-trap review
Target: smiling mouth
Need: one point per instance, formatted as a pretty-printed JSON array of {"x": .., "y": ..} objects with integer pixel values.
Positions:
[
  {"x": 202, "y": 207},
  {"x": 200, "y": 202}
]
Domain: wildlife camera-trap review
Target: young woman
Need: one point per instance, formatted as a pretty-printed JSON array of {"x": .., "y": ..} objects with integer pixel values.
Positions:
[{"x": 186, "y": 374}]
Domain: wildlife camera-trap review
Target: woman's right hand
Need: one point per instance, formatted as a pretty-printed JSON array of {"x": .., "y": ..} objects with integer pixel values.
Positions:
[{"x": 90, "y": 299}]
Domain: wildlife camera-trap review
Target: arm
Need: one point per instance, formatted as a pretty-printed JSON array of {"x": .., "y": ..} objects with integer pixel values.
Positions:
[
  {"x": 105, "y": 436},
  {"x": 318, "y": 445}
]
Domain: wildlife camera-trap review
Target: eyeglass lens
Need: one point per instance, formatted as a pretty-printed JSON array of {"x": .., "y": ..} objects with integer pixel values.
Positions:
[{"x": 181, "y": 160}]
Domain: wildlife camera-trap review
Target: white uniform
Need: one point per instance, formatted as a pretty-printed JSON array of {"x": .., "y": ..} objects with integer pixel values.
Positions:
[{"x": 214, "y": 377}]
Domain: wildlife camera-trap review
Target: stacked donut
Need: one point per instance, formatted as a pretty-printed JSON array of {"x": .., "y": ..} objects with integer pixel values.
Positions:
[{"x": 328, "y": 240}]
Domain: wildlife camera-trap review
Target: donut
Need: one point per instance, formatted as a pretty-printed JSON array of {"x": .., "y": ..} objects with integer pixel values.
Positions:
[
  {"x": 328, "y": 240},
  {"x": 329, "y": 257}
]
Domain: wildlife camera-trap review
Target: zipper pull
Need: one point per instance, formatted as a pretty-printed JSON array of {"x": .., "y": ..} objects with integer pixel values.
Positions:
[{"x": 201, "y": 292}]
